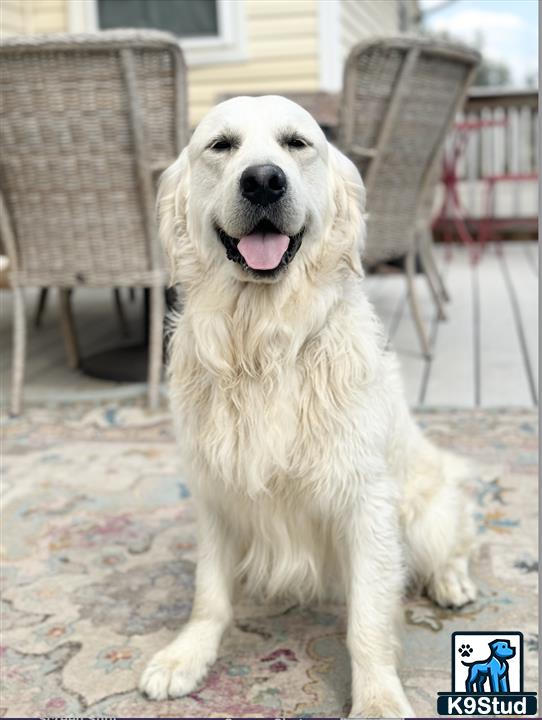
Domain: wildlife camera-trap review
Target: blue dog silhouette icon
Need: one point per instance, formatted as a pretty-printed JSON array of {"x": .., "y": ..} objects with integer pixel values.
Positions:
[{"x": 494, "y": 669}]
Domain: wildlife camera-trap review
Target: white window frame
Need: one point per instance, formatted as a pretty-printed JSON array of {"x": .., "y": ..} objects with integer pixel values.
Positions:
[
  {"x": 228, "y": 46},
  {"x": 329, "y": 51}
]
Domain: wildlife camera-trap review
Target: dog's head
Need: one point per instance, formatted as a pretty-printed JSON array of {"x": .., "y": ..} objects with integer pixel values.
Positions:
[
  {"x": 502, "y": 649},
  {"x": 257, "y": 190}
]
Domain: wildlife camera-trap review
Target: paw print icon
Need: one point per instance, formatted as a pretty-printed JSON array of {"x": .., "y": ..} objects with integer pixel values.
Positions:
[{"x": 465, "y": 650}]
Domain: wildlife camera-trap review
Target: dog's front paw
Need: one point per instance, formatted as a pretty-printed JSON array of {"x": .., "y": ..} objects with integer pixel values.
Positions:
[
  {"x": 383, "y": 706},
  {"x": 173, "y": 672},
  {"x": 452, "y": 588},
  {"x": 380, "y": 696}
]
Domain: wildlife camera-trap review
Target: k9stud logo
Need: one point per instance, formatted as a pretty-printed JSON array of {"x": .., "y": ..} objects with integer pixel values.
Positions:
[{"x": 487, "y": 676}]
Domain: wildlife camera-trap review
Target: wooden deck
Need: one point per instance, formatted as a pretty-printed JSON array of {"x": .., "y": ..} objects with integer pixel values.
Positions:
[{"x": 484, "y": 355}]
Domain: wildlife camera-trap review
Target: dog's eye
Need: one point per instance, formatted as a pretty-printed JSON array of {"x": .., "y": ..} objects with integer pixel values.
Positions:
[
  {"x": 221, "y": 144},
  {"x": 296, "y": 142}
]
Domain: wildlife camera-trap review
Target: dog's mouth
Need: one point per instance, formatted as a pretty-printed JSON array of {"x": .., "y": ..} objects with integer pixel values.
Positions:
[{"x": 265, "y": 251}]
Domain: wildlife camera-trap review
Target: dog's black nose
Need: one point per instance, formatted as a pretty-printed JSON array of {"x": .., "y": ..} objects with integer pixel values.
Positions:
[{"x": 263, "y": 184}]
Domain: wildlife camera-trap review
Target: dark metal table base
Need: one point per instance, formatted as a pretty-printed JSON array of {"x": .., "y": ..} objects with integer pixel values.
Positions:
[{"x": 122, "y": 364}]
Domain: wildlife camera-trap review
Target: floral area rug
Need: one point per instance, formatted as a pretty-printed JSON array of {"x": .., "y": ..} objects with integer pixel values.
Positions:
[{"x": 98, "y": 571}]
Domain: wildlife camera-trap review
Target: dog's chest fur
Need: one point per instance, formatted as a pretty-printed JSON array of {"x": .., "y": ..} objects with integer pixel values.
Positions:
[
  {"x": 269, "y": 403},
  {"x": 257, "y": 391}
]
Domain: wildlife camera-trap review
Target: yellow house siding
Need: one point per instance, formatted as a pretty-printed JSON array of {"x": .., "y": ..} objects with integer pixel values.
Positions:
[
  {"x": 282, "y": 55},
  {"x": 33, "y": 16},
  {"x": 11, "y": 17},
  {"x": 49, "y": 16},
  {"x": 363, "y": 20},
  {"x": 281, "y": 48}
]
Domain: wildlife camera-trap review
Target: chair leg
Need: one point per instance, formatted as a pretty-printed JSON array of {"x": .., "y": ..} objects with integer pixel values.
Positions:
[
  {"x": 156, "y": 333},
  {"x": 68, "y": 328},
  {"x": 413, "y": 298},
  {"x": 444, "y": 292},
  {"x": 42, "y": 301},
  {"x": 123, "y": 321},
  {"x": 427, "y": 243},
  {"x": 441, "y": 313},
  {"x": 19, "y": 350},
  {"x": 432, "y": 281}
]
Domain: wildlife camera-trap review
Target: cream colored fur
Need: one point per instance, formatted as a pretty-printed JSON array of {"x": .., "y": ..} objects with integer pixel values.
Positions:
[{"x": 309, "y": 474}]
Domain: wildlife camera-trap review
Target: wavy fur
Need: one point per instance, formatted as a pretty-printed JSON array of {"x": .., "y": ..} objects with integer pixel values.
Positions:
[{"x": 310, "y": 476}]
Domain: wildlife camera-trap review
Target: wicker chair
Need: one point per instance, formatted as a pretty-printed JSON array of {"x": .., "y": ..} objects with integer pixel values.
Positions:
[
  {"x": 400, "y": 97},
  {"x": 87, "y": 122}
]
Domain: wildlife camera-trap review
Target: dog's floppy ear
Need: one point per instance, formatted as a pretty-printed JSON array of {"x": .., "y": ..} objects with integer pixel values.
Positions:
[
  {"x": 171, "y": 208},
  {"x": 348, "y": 203}
]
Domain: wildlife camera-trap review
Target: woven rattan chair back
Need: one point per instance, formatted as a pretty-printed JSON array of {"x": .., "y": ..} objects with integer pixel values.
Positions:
[
  {"x": 86, "y": 124},
  {"x": 400, "y": 97},
  {"x": 84, "y": 120}
]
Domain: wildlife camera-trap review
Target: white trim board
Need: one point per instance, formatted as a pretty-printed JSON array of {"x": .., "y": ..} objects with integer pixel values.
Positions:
[
  {"x": 329, "y": 44},
  {"x": 228, "y": 46}
]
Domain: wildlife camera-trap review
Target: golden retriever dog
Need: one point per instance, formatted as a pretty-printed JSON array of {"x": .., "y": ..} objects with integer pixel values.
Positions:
[{"x": 310, "y": 477}]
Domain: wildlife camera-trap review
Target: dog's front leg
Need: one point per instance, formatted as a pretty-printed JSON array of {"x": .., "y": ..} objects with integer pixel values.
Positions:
[
  {"x": 375, "y": 583},
  {"x": 181, "y": 666}
]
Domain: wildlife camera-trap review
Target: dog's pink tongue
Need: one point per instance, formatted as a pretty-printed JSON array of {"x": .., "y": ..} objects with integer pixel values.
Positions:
[{"x": 263, "y": 252}]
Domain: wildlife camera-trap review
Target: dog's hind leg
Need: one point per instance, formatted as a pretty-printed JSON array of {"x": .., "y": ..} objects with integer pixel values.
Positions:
[
  {"x": 438, "y": 526},
  {"x": 469, "y": 684},
  {"x": 480, "y": 684},
  {"x": 451, "y": 585}
]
